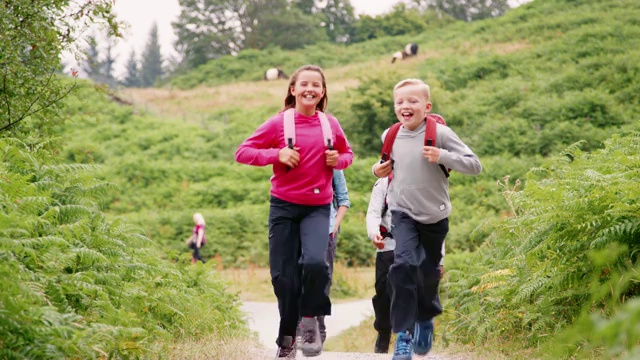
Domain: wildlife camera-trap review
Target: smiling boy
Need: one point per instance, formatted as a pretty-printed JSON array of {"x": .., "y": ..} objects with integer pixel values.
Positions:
[{"x": 420, "y": 207}]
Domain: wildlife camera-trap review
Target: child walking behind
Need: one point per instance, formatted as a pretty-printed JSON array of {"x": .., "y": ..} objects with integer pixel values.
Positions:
[
  {"x": 378, "y": 229},
  {"x": 301, "y": 195},
  {"x": 339, "y": 207},
  {"x": 420, "y": 206}
]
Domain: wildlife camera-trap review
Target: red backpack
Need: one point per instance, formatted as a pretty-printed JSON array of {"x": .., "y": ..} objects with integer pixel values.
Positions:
[
  {"x": 290, "y": 129},
  {"x": 430, "y": 133}
]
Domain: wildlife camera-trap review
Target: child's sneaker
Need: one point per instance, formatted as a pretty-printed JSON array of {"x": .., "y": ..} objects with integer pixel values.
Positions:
[
  {"x": 311, "y": 341},
  {"x": 382, "y": 343},
  {"x": 423, "y": 337},
  {"x": 404, "y": 347},
  {"x": 287, "y": 350}
]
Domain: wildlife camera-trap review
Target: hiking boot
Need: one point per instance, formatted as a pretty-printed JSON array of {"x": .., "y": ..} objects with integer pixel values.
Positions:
[
  {"x": 423, "y": 337},
  {"x": 404, "y": 346},
  {"x": 311, "y": 341},
  {"x": 382, "y": 343},
  {"x": 287, "y": 349},
  {"x": 322, "y": 328}
]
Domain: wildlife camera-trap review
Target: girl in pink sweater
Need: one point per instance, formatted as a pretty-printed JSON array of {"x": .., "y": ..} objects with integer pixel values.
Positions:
[{"x": 301, "y": 194}]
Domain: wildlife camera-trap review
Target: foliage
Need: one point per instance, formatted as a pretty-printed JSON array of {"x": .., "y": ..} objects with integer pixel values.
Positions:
[
  {"x": 470, "y": 10},
  {"x": 76, "y": 285},
  {"x": 570, "y": 249},
  {"x": 32, "y": 39}
]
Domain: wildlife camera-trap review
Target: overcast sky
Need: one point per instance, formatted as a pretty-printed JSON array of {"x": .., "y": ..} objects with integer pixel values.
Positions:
[{"x": 141, "y": 14}]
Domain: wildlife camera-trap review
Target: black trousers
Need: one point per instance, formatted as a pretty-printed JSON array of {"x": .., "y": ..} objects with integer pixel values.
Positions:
[
  {"x": 414, "y": 275},
  {"x": 196, "y": 252},
  {"x": 298, "y": 242},
  {"x": 382, "y": 298}
]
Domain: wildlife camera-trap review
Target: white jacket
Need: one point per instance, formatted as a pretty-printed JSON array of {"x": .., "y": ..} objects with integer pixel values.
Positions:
[
  {"x": 375, "y": 219},
  {"x": 374, "y": 214}
]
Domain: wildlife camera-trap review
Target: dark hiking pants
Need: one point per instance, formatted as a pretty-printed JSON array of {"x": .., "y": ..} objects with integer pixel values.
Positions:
[
  {"x": 382, "y": 298},
  {"x": 414, "y": 276},
  {"x": 298, "y": 244},
  {"x": 196, "y": 251}
]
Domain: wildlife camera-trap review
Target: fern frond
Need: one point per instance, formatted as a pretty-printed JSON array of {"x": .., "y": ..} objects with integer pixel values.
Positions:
[{"x": 70, "y": 169}]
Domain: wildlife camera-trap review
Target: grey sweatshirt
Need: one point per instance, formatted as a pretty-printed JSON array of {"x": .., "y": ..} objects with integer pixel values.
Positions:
[{"x": 419, "y": 188}]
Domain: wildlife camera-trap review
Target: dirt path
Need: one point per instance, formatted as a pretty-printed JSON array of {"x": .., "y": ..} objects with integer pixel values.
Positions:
[{"x": 263, "y": 318}]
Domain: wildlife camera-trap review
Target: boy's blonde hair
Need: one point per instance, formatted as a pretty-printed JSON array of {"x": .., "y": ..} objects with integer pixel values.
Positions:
[{"x": 424, "y": 88}]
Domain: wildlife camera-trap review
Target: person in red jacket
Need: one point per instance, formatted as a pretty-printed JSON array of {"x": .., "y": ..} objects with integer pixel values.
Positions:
[{"x": 301, "y": 195}]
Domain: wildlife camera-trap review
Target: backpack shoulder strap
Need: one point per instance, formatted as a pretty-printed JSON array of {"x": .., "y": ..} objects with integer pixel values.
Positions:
[
  {"x": 389, "y": 139},
  {"x": 289, "y": 128},
  {"x": 327, "y": 134},
  {"x": 431, "y": 133}
]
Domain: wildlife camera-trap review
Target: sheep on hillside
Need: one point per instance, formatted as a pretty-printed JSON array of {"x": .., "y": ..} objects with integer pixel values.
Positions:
[
  {"x": 275, "y": 73},
  {"x": 411, "y": 49}
]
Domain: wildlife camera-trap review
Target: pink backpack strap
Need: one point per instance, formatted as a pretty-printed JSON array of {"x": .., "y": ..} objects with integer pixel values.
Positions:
[
  {"x": 327, "y": 134},
  {"x": 289, "y": 128}
]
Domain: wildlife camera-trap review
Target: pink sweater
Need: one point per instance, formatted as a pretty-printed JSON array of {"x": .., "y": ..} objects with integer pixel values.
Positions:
[{"x": 310, "y": 182}]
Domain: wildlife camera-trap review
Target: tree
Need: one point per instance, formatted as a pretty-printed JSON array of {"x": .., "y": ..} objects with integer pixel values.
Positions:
[
  {"x": 107, "y": 65},
  {"x": 290, "y": 30},
  {"x": 339, "y": 20},
  {"x": 96, "y": 68},
  {"x": 337, "y": 17},
  {"x": 132, "y": 76},
  {"x": 151, "y": 68},
  {"x": 32, "y": 40},
  {"x": 208, "y": 29},
  {"x": 465, "y": 10},
  {"x": 92, "y": 66}
]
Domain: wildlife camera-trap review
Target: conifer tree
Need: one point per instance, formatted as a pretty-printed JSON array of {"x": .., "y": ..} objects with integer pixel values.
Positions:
[
  {"x": 132, "y": 75},
  {"x": 151, "y": 68},
  {"x": 107, "y": 65},
  {"x": 92, "y": 66}
]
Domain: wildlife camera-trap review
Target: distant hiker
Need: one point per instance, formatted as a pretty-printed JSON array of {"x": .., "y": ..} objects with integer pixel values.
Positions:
[
  {"x": 198, "y": 239},
  {"x": 274, "y": 74},
  {"x": 379, "y": 231},
  {"x": 411, "y": 49},
  {"x": 420, "y": 206},
  {"x": 303, "y": 153}
]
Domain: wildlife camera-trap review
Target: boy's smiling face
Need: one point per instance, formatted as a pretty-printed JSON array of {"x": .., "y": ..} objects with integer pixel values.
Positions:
[{"x": 411, "y": 106}]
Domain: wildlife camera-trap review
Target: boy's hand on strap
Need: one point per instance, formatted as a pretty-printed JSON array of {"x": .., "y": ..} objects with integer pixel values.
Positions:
[
  {"x": 382, "y": 169},
  {"x": 378, "y": 241},
  {"x": 332, "y": 157},
  {"x": 431, "y": 153},
  {"x": 289, "y": 157}
]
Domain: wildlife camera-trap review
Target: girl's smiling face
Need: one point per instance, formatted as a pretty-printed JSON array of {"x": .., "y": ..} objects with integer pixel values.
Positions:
[
  {"x": 308, "y": 91},
  {"x": 411, "y": 106}
]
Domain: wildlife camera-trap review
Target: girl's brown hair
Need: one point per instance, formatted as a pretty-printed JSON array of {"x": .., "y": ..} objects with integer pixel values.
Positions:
[{"x": 290, "y": 100}]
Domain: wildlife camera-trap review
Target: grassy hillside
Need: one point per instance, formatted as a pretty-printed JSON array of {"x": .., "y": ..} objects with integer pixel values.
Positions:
[
  {"x": 515, "y": 88},
  {"x": 521, "y": 90}
]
